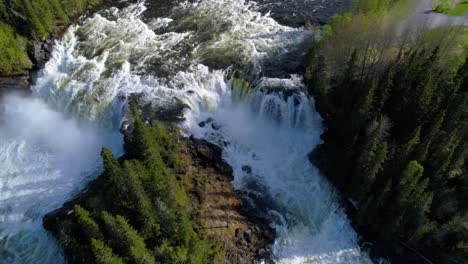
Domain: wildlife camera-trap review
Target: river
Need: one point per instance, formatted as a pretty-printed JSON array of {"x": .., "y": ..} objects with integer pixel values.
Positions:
[{"x": 174, "y": 54}]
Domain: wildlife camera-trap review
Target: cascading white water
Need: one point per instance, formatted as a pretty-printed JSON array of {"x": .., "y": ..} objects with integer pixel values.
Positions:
[
  {"x": 44, "y": 157},
  {"x": 111, "y": 55},
  {"x": 266, "y": 138}
]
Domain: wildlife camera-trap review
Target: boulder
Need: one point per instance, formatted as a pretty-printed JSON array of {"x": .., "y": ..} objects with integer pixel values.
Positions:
[
  {"x": 208, "y": 155},
  {"x": 41, "y": 51},
  {"x": 247, "y": 169}
]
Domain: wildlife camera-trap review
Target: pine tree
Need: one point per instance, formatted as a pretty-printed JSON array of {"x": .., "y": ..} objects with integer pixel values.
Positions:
[
  {"x": 462, "y": 76},
  {"x": 88, "y": 225},
  {"x": 423, "y": 148},
  {"x": 118, "y": 181},
  {"x": 58, "y": 10},
  {"x": 103, "y": 254},
  {"x": 384, "y": 89},
  {"x": 365, "y": 107},
  {"x": 145, "y": 215},
  {"x": 370, "y": 161},
  {"x": 441, "y": 158},
  {"x": 346, "y": 86},
  {"x": 405, "y": 151},
  {"x": 408, "y": 181},
  {"x": 3, "y": 11},
  {"x": 412, "y": 196},
  {"x": 126, "y": 240},
  {"x": 142, "y": 142},
  {"x": 368, "y": 214}
]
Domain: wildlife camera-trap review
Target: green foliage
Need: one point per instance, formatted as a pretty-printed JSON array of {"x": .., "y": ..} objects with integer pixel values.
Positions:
[
  {"x": 32, "y": 19},
  {"x": 88, "y": 225},
  {"x": 451, "y": 7},
  {"x": 138, "y": 210},
  {"x": 126, "y": 240},
  {"x": 104, "y": 254},
  {"x": 442, "y": 6},
  {"x": 460, "y": 10},
  {"x": 369, "y": 164},
  {"x": 397, "y": 119},
  {"x": 13, "y": 58},
  {"x": 3, "y": 10},
  {"x": 37, "y": 18}
]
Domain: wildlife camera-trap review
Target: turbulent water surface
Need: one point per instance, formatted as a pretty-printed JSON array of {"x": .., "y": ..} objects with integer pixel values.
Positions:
[{"x": 186, "y": 54}]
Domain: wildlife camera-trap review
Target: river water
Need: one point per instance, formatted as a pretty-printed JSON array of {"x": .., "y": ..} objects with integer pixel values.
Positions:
[{"x": 173, "y": 54}]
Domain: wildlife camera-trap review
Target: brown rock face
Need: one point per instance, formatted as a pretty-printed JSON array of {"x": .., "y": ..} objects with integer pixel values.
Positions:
[
  {"x": 19, "y": 83},
  {"x": 207, "y": 154},
  {"x": 41, "y": 52},
  {"x": 217, "y": 208},
  {"x": 220, "y": 208}
]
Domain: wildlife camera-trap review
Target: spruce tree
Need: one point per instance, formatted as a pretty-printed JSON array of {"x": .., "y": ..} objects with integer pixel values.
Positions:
[
  {"x": 126, "y": 240},
  {"x": 88, "y": 225},
  {"x": 370, "y": 161},
  {"x": 104, "y": 254}
]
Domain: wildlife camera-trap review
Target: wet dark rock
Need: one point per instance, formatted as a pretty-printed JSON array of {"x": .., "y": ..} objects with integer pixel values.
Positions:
[
  {"x": 190, "y": 92},
  {"x": 19, "y": 83},
  {"x": 296, "y": 101},
  {"x": 215, "y": 126},
  {"x": 238, "y": 232},
  {"x": 209, "y": 120},
  {"x": 247, "y": 169},
  {"x": 53, "y": 220},
  {"x": 226, "y": 143},
  {"x": 172, "y": 112},
  {"x": 41, "y": 51},
  {"x": 202, "y": 124},
  {"x": 242, "y": 243},
  {"x": 269, "y": 233},
  {"x": 209, "y": 154},
  {"x": 250, "y": 240},
  {"x": 254, "y": 156},
  {"x": 248, "y": 236},
  {"x": 264, "y": 253}
]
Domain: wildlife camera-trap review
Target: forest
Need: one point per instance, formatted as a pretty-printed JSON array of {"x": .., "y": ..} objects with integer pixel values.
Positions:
[
  {"x": 23, "y": 21},
  {"x": 137, "y": 211},
  {"x": 393, "y": 95},
  {"x": 395, "y": 103}
]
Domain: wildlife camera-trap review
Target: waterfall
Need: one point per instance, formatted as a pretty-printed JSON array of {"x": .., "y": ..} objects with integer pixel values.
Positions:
[
  {"x": 271, "y": 132},
  {"x": 45, "y": 157},
  {"x": 50, "y": 142}
]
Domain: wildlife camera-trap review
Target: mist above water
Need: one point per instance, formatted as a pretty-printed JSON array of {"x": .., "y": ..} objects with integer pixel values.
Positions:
[
  {"x": 51, "y": 142},
  {"x": 45, "y": 157}
]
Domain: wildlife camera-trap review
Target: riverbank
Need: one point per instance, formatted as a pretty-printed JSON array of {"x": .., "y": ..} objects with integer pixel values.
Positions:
[
  {"x": 37, "y": 47},
  {"x": 286, "y": 189},
  {"x": 394, "y": 129},
  {"x": 215, "y": 208}
]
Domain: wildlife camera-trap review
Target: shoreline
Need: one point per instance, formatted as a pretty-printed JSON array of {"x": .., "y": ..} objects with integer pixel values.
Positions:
[
  {"x": 248, "y": 240},
  {"x": 39, "y": 52},
  {"x": 217, "y": 209}
]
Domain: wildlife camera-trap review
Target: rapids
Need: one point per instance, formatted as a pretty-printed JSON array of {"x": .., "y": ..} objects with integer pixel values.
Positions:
[{"x": 50, "y": 142}]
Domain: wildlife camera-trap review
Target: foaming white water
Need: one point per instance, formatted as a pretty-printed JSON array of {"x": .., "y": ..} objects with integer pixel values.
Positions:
[
  {"x": 114, "y": 54},
  {"x": 266, "y": 138},
  {"x": 44, "y": 157},
  {"x": 96, "y": 65}
]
